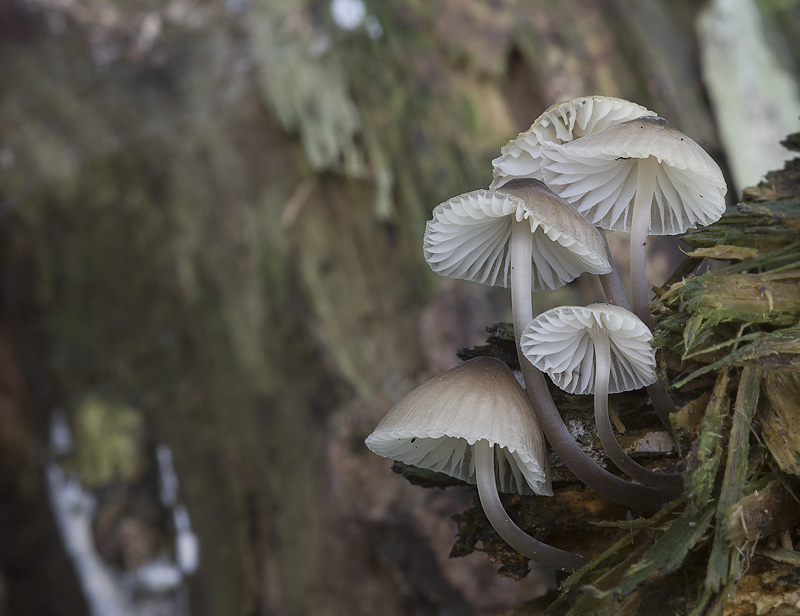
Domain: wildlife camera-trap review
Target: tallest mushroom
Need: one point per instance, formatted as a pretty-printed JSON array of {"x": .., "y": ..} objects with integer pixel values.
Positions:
[
  {"x": 560, "y": 123},
  {"x": 642, "y": 176}
]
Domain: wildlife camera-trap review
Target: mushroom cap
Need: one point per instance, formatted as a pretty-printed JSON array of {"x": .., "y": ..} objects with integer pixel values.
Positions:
[
  {"x": 469, "y": 234},
  {"x": 559, "y": 342},
  {"x": 520, "y": 157},
  {"x": 597, "y": 174},
  {"x": 435, "y": 425}
]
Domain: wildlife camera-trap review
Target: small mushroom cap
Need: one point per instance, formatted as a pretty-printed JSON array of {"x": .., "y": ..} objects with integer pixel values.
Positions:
[
  {"x": 520, "y": 157},
  {"x": 435, "y": 426},
  {"x": 559, "y": 342},
  {"x": 469, "y": 234},
  {"x": 597, "y": 174}
]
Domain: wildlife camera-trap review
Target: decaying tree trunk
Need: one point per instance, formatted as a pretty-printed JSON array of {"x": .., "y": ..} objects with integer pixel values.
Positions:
[{"x": 211, "y": 240}]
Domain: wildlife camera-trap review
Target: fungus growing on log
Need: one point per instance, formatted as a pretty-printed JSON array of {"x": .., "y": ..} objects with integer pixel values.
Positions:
[
  {"x": 474, "y": 422},
  {"x": 560, "y": 123},
  {"x": 641, "y": 176},
  {"x": 598, "y": 349},
  {"x": 526, "y": 236}
]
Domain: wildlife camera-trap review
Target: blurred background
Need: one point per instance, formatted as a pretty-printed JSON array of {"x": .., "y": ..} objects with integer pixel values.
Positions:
[{"x": 212, "y": 285}]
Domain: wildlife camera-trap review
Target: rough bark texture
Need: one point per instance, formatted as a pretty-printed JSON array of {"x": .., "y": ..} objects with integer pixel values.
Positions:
[{"x": 213, "y": 214}]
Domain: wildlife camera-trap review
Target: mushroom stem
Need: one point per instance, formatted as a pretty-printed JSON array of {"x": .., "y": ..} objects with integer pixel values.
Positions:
[
  {"x": 520, "y": 249},
  {"x": 615, "y": 294},
  {"x": 614, "y": 488},
  {"x": 512, "y": 534},
  {"x": 612, "y": 285},
  {"x": 669, "y": 482},
  {"x": 601, "y": 481},
  {"x": 662, "y": 402},
  {"x": 640, "y": 227}
]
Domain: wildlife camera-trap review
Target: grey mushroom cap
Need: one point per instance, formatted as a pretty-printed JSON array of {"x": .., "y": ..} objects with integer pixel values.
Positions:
[
  {"x": 436, "y": 424},
  {"x": 563, "y": 122},
  {"x": 559, "y": 343},
  {"x": 597, "y": 174},
  {"x": 468, "y": 236}
]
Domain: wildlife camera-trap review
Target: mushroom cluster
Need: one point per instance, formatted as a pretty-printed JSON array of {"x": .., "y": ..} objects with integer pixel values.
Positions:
[{"x": 585, "y": 165}]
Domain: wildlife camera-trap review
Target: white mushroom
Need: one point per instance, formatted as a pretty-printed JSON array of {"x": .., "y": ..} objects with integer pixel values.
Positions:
[
  {"x": 563, "y": 122},
  {"x": 475, "y": 236},
  {"x": 642, "y": 176},
  {"x": 523, "y": 235},
  {"x": 474, "y": 422},
  {"x": 598, "y": 349}
]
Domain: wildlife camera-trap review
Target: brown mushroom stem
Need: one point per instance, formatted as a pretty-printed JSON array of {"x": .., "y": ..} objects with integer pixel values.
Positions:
[
  {"x": 669, "y": 482},
  {"x": 601, "y": 481},
  {"x": 512, "y": 534},
  {"x": 640, "y": 228}
]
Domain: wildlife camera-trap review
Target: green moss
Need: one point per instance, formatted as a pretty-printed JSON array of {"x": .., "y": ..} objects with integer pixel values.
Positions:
[{"x": 109, "y": 442}]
